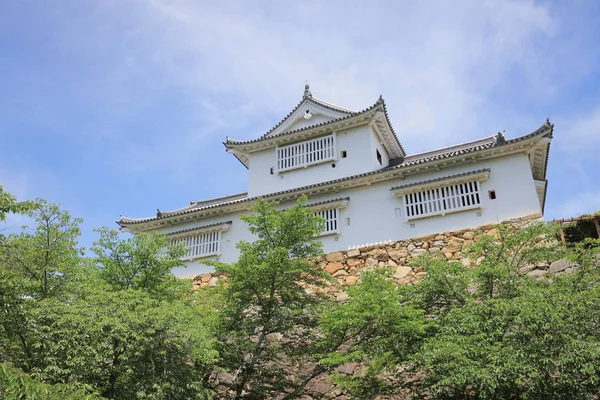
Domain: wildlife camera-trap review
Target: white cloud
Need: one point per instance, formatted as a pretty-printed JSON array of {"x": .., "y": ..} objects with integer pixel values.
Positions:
[{"x": 242, "y": 65}]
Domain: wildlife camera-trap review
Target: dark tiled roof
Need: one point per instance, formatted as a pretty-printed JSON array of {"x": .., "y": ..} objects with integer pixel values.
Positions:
[
  {"x": 444, "y": 178},
  {"x": 218, "y": 200},
  {"x": 461, "y": 149},
  {"x": 324, "y": 202},
  {"x": 197, "y": 228}
]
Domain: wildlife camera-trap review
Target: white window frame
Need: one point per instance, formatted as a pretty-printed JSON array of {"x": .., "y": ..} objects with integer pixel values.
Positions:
[
  {"x": 332, "y": 222},
  {"x": 442, "y": 196},
  {"x": 302, "y": 154},
  {"x": 202, "y": 242},
  {"x": 335, "y": 206}
]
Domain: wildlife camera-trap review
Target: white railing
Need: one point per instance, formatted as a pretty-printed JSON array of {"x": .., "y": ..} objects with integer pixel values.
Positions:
[
  {"x": 442, "y": 200},
  {"x": 203, "y": 245},
  {"x": 331, "y": 220},
  {"x": 306, "y": 153}
]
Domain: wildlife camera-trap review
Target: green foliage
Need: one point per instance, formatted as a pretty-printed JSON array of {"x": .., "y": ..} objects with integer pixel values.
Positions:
[
  {"x": 45, "y": 256},
  {"x": 120, "y": 326},
  {"x": 499, "y": 334},
  {"x": 375, "y": 327},
  {"x": 264, "y": 298},
  {"x": 9, "y": 204},
  {"x": 143, "y": 261},
  {"x": 128, "y": 344},
  {"x": 17, "y": 385},
  {"x": 69, "y": 329}
]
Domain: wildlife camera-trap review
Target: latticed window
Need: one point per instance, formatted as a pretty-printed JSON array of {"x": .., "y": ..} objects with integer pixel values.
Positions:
[
  {"x": 306, "y": 153},
  {"x": 203, "y": 245},
  {"x": 441, "y": 200},
  {"x": 331, "y": 220}
]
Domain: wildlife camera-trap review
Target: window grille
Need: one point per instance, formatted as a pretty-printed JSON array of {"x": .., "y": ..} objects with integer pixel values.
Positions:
[
  {"x": 306, "y": 153},
  {"x": 442, "y": 200},
  {"x": 203, "y": 245},
  {"x": 331, "y": 220}
]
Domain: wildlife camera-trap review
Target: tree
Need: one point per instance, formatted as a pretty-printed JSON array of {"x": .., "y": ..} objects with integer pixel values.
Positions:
[
  {"x": 268, "y": 317},
  {"x": 499, "y": 334},
  {"x": 143, "y": 261},
  {"x": 66, "y": 323},
  {"x": 376, "y": 328},
  {"x": 45, "y": 256}
]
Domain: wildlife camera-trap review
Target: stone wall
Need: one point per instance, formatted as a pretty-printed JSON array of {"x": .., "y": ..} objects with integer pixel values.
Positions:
[{"x": 346, "y": 266}]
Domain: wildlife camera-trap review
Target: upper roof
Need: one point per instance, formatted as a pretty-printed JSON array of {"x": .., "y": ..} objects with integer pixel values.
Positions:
[
  {"x": 332, "y": 118},
  {"x": 308, "y": 99},
  {"x": 536, "y": 143}
]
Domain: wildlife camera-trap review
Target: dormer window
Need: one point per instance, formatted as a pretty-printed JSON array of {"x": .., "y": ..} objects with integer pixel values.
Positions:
[{"x": 306, "y": 153}]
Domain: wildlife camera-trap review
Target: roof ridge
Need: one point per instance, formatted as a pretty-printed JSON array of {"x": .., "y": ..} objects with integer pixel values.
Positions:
[
  {"x": 453, "y": 146},
  {"x": 218, "y": 198},
  {"x": 331, "y": 105}
]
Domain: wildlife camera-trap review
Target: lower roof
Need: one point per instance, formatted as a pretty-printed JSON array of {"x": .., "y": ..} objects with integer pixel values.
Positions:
[{"x": 473, "y": 148}]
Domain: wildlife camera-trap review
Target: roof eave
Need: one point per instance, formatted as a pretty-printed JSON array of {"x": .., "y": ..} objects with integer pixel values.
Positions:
[{"x": 513, "y": 146}]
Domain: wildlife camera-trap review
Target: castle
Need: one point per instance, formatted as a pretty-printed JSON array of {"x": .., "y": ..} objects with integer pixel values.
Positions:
[{"x": 359, "y": 178}]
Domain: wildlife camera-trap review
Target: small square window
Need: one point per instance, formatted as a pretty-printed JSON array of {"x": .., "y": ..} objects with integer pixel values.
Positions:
[
  {"x": 333, "y": 165},
  {"x": 379, "y": 157},
  {"x": 272, "y": 171},
  {"x": 344, "y": 154},
  {"x": 492, "y": 194}
]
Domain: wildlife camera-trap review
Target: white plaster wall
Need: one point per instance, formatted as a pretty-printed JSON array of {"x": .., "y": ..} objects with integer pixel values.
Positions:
[
  {"x": 376, "y": 145},
  {"x": 372, "y": 210},
  {"x": 303, "y": 122},
  {"x": 357, "y": 142}
]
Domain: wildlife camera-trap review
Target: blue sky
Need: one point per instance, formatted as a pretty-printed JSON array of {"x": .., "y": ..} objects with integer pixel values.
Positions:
[{"x": 120, "y": 107}]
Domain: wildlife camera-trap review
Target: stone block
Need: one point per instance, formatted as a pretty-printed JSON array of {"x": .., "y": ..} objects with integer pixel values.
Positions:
[
  {"x": 333, "y": 257},
  {"x": 418, "y": 252},
  {"x": 398, "y": 254},
  {"x": 213, "y": 281},
  {"x": 468, "y": 235},
  {"x": 537, "y": 274},
  {"x": 353, "y": 262},
  {"x": 381, "y": 255},
  {"x": 351, "y": 280},
  {"x": 353, "y": 253},
  {"x": 371, "y": 262},
  {"x": 340, "y": 273},
  {"x": 332, "y": 268},
  {"x": 559, "y": 266},
  {"x": 402, "y": 272}
]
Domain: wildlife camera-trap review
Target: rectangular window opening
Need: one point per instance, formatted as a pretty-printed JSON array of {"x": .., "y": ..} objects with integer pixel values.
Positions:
[
  {"x": 331, "y": 220},
  {"x": 450, "y": 198},
  {"x": 344, "y": 154},
  {"x": 306, "y": 153},
  {"x": 203, "y": 245},
  {"x": 492, "y": 194}
]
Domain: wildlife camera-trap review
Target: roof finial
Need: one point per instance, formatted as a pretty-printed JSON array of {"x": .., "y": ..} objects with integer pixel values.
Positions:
[
  {"x": 307, "y": 92},
  {"x": 500, "y": 138}
]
